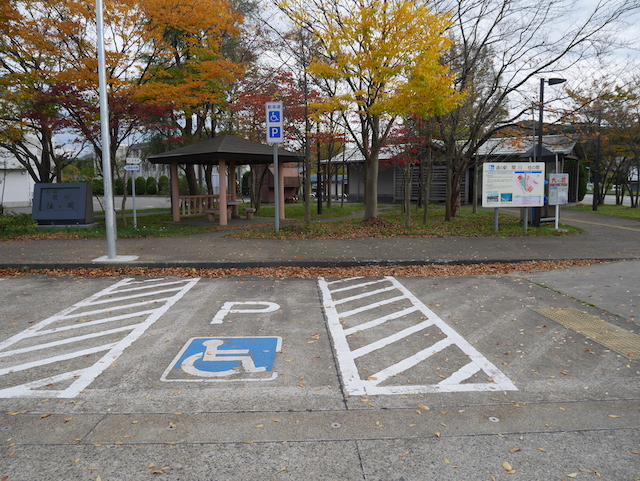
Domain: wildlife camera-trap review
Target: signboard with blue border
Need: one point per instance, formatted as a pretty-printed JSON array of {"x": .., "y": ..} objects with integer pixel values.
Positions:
[
  {"x": 225, "y": 359},
  {"x": 508, "y": 184},
  {"x": 275, "y": 133}
]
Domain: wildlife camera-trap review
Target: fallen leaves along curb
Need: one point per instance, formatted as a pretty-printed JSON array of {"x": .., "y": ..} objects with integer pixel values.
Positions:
[{"x": 432, "y": 270}]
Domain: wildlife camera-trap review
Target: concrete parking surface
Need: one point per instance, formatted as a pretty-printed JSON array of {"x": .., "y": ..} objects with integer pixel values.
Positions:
[{"x": 529, "y": 376}]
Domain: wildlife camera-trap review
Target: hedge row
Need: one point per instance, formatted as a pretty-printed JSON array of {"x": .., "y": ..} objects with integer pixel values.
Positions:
[{"x": 148, "y": 186}]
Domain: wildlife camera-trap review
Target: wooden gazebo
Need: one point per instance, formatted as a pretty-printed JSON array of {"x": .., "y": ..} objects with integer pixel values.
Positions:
[{"x": 226, "y": 151}]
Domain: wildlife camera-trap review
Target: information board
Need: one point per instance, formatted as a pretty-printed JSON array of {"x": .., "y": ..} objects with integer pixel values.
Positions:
[
  {"x": 558, "y": 189},
  {"x": 510, "y": 184}
]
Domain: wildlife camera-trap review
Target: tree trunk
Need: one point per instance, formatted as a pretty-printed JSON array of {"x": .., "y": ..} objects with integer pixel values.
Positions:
[
  {"x": 448, "y": 207},
  {"x": 44, "y": 168},
  {"x": 407, "y": 194},
  {"x": 456, "y": 188},
  {"x": 371, "y": 188},
  {"x": 208, "y": 171},
  {"x": 426, "y": 186},
  {"x": 192, "y": 180}
]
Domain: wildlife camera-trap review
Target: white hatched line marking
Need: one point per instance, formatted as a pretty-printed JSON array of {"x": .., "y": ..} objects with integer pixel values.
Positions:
[
  {"x": 54, "y": 359},
  {"x": 371, "y": 306},
  {"x": 352, "y": 380},
  {"x": 409, "y": 362},
  {"x": 27, "y": 389},
  {"x": 380, "y": 320},
  {"x": 462, "y": 374},
  {"x": 112, "y": 308},
  {"x": 344, "y": 279},
  {"x": 92, "y": 323},
  {"x": 84, "y": 376},
  {"x": 134, "y": 296},
  {"x": 361, "y": 351},
  {"x": 64, "y": 341},
  {"x": 356, "y": 286},
  {"x": 160, "y": 284},
  {"x": 363, "y": 295}
]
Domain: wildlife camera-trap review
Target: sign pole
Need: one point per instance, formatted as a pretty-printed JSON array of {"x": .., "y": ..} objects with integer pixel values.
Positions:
[
  {"x": 276, "y": 187},
  {"x": 133, "y": 197}
]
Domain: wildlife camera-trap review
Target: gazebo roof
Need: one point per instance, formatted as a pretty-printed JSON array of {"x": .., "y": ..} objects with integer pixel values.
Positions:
[{"x": 223, "y": 147}]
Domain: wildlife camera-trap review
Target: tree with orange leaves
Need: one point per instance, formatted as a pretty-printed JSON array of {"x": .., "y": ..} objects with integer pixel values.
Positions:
[{"x": 160, "y": 54}]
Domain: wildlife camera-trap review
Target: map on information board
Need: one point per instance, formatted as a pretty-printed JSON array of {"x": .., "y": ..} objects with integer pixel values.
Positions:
[{"x": 513, "y": 185}]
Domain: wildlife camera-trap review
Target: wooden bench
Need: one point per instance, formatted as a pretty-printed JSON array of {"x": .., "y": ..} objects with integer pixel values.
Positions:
[{"x": 249, "y": 212}]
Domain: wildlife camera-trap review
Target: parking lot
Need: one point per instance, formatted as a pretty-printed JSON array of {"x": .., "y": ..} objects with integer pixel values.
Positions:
[{"x": 359, "y": 378}]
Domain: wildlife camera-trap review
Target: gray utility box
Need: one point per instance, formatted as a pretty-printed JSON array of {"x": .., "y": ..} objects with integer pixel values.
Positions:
[{"x": 63, "y": 204}]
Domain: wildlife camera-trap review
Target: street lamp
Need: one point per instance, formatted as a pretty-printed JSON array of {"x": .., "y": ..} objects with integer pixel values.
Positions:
[{"x": 551, "y": 81}]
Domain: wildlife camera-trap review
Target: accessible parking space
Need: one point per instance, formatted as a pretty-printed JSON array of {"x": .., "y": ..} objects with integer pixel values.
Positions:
[
  {"x": 283, "y": 374},
  {"x": 210, "y": 345},
  {"x": 193, "y": 344}
]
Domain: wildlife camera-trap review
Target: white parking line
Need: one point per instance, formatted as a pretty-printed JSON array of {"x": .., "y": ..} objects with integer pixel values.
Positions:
[
  {"x": 81, "y": 316},
  {"x": 382, "y": 381}
]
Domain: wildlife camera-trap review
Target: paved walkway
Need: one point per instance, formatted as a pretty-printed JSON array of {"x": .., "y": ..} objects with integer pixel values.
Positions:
[{"x": 604, "y": 238}]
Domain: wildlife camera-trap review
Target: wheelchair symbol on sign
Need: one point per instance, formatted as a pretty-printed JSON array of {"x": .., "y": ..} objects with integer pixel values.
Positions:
[
  {"x": 274, "y": 116},
  {"x": 225, "y": 359}
]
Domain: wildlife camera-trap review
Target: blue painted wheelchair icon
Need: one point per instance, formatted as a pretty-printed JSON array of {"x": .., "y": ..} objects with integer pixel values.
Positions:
[{"x": 246, "y": 358}]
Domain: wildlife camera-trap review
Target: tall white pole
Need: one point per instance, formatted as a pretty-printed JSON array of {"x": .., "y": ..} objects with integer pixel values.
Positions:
[{"x": 104, "y": 129}]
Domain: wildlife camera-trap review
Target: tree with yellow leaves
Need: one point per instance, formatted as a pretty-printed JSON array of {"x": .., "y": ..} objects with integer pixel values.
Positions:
[{"x": 385, "y": 57}]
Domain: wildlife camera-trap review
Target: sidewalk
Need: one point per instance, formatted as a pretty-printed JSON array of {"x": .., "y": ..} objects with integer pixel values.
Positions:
[{"x": 605, "y": 238}]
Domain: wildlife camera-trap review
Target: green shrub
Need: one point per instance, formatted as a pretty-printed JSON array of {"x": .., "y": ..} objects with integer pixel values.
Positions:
[
  {"x": 246, "y": 189},
  {"x": 97, "y": 185},
  {"x": 152, "y": 187},
  {"x": 141, "y": 186},
  {"x": 129, "y": 186},
  {"x": 164, "y": 186},
  {"x": 17, "y": 224}
]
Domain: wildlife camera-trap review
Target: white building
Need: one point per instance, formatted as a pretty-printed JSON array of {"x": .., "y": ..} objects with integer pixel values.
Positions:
[{"x": 16, "y": 185}]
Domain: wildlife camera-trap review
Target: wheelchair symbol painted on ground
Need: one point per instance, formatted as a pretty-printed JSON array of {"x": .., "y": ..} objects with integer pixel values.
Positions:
[{"x": 225, "y": 359}]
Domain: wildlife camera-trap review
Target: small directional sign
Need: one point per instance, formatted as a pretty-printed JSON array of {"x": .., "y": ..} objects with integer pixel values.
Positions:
[
  {"x": 132, "y": 167},
  {"x": 275, "y": 133}
]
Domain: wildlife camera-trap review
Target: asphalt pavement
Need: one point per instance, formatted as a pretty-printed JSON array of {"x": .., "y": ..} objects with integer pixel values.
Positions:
[
  {"x": 604, "y": 238},
  {"x": 527, "y": 376}
]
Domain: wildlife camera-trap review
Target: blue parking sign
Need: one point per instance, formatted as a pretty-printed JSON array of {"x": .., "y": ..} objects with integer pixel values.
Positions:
[
  {"x": 225, "y": 359},
  {"x": 274, "y": 122}
]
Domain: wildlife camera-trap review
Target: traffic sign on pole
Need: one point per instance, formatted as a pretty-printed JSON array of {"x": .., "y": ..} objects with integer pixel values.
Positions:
[
  {"x": 275, "y": 131},
  {"x": 132, "y": 167}
]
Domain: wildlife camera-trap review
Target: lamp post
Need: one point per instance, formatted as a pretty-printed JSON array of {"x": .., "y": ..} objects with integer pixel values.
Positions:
[
  {"x": 551, "y": 81},
  {"x": 596, "y": 169}
]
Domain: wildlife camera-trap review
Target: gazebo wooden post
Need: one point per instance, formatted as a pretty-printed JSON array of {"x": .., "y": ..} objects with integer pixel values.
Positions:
[
  {"x": 233, "y": 191},
  {"x": 222, "y": 173},
  {"x": 280, "y": 189},
  {"x": 175, "y": 192}
]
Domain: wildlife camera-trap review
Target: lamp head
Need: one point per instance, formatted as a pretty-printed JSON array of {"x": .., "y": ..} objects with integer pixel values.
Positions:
[{"x": 556, "y": 81}]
